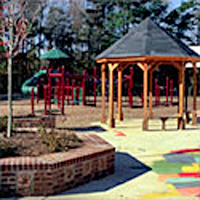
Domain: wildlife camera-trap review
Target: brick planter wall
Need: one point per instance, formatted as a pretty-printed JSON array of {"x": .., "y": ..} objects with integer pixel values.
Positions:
[
  {"x": 30, "y": 122},
  {"x": 53, "y": 173}
]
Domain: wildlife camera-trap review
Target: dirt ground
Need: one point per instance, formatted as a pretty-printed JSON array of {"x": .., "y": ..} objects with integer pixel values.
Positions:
[{"x": 83, "y": 116}]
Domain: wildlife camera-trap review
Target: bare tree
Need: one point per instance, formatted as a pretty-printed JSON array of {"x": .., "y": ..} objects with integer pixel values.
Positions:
[{"x": 16, "y": 23}]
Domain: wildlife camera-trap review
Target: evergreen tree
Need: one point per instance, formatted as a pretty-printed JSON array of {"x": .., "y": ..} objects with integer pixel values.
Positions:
[{"x": 85, "y": 32}]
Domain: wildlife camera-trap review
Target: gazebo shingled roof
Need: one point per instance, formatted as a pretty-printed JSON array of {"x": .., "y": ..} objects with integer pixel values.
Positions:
[
  {"x": 148, "y": 39},
  {"x": 148, "y": 46}
]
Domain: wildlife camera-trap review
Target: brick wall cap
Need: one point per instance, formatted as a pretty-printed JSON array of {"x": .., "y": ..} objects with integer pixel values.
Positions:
[{"x": 92, "y": 145}]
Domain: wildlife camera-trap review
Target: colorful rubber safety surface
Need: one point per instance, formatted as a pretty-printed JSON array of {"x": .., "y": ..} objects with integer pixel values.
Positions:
[{"x": 180, "y": 170}]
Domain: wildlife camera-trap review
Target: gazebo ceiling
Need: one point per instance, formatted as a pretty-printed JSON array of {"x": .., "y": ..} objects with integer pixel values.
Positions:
[{"x": 148, "y": 41}]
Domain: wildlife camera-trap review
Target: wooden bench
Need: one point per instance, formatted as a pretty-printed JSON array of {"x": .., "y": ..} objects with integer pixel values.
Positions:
[
  {"x": 180, "y": 121},
  {"x": 187, "y": 116}
]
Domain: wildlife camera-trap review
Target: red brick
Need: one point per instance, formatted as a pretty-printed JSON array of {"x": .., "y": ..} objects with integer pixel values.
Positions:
[{"x": 53, "y": 178}]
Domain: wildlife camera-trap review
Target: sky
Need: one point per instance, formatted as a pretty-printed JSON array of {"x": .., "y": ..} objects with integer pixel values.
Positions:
[{"x": 175, "y": 3}]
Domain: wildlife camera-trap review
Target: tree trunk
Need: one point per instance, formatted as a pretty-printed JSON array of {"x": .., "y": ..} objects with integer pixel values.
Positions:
[
  {"x": 10, "y": 51},
  {"x": 9, "y": 128}
]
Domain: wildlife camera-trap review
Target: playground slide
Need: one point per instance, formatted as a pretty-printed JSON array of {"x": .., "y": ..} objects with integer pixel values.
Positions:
[{"x": 32, "y": 83}]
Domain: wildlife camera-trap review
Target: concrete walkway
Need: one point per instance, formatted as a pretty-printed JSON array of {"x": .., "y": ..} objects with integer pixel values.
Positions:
[{"x": 136, "y": 152}]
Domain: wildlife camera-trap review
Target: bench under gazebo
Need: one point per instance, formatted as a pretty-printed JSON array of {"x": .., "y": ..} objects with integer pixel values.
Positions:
[{"x": 148, "y": 46}]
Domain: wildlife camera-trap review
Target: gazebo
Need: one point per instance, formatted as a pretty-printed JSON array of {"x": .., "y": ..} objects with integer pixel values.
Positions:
[{"x": 148, "y": 46}]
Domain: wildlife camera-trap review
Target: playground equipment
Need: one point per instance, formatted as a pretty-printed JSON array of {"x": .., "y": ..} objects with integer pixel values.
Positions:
[
  {"x": 61, "y": 87},
  {"x": 168, "y": 91},
  {"x": 129, "y": 78},
  {"x": 129, "y": 90},
  {"x": 32, "y": 101},
  {"x": 133, "y": 91},
  {"x": 33, "y": 83},
  {"x": 71, "y": 88}
]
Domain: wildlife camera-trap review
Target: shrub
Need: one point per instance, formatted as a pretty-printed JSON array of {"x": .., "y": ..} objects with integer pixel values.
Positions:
[
  {"x": 3, "y": 124},
  {"x": 7, "y": 149},
  {"x": 58, "y": 142}
]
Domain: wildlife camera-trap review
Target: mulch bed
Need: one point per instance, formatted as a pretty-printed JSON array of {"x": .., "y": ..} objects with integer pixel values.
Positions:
[{"x": 34, "y": 144}]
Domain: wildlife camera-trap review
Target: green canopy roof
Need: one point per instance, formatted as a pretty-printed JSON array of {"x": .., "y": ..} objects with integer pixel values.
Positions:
[{"x": 54, "y": 54}]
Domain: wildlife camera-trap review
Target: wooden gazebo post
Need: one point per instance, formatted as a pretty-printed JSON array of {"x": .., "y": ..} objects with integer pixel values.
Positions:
[
  {"x": 147, "y": 57},
  {"x": 103, "y": 92},
  {"x": 150, "y": 94},
  {"x": 181, "y": 92},
  {"x": 111, "y": 118},
  {"x": 194, "y": 115},
  {"x": 119, "y": 93},
  {"x": 145, "y": 93}
]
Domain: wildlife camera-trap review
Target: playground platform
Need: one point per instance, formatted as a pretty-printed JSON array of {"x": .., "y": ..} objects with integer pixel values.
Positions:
[{"x": 149, "y": 165}]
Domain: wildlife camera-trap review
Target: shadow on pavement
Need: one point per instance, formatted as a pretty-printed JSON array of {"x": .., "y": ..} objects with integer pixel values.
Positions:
[
  {"x": 126, "y": 168},
  {"x": 85, "y": 129}
]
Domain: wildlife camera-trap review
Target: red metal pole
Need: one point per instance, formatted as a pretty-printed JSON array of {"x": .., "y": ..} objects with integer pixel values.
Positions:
[
  {"x": 58, "y": 91},
  {"x": 142, "y": 99},
  {"x": 77, "y": 94},
  {"x": 117, "y": 93},
  {"x": 129, "y": 96},
  {"x": 131, "y": 84},
  {"x": 72, "y": 96},
  {"x": 167, "y": 88},
  {"x": 156, "y": 92},
  {"x": 73, "y": 86},
  {"x": 62, "y": 90},
  {"x": 38, "y": 86},
  {"x": 45, "y": 99},
  {"x": 131, "y": 87},
  {"x": 95, "y": 85},
  {"x": 32, "y": 101},
  {"x": 107, "y": 83},
  {"x": 158, "y": 95},
  {"x": 49, "y": 89},
  {"x": 67, "y": 84},
  {"x": 83, "y": 86},
  {"x": 171, "y": 91}
]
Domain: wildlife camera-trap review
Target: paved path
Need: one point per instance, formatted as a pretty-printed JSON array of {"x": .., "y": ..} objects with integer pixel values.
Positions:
[{"x": 136, "y": 151}]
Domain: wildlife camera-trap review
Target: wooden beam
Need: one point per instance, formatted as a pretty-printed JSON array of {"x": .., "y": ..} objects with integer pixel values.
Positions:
[
  {"x": 125, "y": 65},
  {"x": 178, "y": 65},
  {"x": 144, "y": 66},
  {"x": 156, "y": 65},
  {"x": 111, "y": 119},
  {"x": 194, "y": 113},
  {"x": 151, "y": 94},
  {"x": 113, "y": 66},
  {"x": 145, "y": 93},
  {"x": 103, "y": 92},
  {"x": 141, "y": 66},
  {"x": 131, "y": 59},
  {"x": 181, "y": 90},
  {"x": 119, "y": 93},
  {"x": 170, "y": 58},
  {"x": 122, "y": 59}
]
